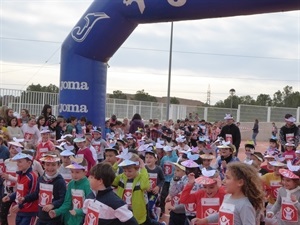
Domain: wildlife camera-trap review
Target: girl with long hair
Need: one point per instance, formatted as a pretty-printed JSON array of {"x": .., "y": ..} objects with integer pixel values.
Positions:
[{"x": 244, "y": 201}]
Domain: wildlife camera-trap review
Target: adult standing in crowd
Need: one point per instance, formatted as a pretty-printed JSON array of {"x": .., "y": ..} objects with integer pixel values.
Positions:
[
  {"x": 274, "y": 130},
  {"x": 47, "y": 112},
  {"x": 126, "y": 125},
  {"x": 230, "y": 132},
  {"x": 136, "y": 123},
  {"x": 289, "y": 133},
  {"x": 255, "y": 131}
]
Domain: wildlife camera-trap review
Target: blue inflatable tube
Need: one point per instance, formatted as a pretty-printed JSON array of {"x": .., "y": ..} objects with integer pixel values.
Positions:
[{"x": 108, "y": 23}]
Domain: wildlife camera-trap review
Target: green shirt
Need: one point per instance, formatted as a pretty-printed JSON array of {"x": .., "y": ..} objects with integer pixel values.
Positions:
[{"x": 82, "y": 184}]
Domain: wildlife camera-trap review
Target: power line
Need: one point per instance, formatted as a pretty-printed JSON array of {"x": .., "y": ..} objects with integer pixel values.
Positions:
[
  {"x": 161, "y": 74},
  {"x": 31, "y": 40},
  {"x": 42, "y": 66},
  {"x": 204, "y": 76},
  {"x": 167, "y": 51}
]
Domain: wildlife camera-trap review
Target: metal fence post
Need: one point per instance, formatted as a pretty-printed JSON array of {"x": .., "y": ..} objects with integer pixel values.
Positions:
[
  {"x": 269, "y": 114},
  {"x": 114, "y": 107},
  {"x": 238, "y": 113},
  {"x": 44, "y": 98},
  {"x": 205, "y": 113},
  {"x": 127, "y": 109},
  {"x": 20, "y": 103},
  {"x": 151, "y": 110},
  {"x": 140, "y": 108}
]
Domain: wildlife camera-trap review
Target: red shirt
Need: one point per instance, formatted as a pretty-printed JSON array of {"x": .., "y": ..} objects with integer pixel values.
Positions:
[
  {"x": 204, "y": 205},
  {"x": 87, "y": 154},
  {"x": 42, "y": 148},
  {"x": 26, "y": 185}
]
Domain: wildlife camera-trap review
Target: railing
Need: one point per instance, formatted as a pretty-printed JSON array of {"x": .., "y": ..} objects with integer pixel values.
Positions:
[{"x": 34, "y": 102}]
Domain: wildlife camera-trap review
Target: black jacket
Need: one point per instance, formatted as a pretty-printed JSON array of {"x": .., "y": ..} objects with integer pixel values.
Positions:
[{"x": 234, "y": 131}]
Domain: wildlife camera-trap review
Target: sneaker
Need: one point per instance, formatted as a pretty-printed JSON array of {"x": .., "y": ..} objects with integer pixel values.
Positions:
[{"x": 158, "y": 213}]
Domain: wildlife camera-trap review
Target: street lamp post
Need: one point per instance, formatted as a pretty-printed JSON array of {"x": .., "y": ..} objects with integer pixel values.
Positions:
[
  {"x": 170, "y": 71},
  {"x": 231, "y": 92}
]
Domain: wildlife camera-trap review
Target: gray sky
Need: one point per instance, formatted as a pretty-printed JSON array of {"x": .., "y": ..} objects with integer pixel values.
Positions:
[{"x": 252, "y": 54}]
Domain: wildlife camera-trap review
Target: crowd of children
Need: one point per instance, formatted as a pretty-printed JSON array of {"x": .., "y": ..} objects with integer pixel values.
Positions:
[{"x": 81, "y": 176}]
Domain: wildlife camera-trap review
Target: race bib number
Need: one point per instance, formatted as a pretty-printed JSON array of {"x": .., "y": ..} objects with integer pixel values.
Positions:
[
  {"x": 19, "y": 192},
  {"x": 210, "y": 206},
  {"x": 168, "y": 168},
  {"x": 127, "y": 195},
  {"x": 77, "y": 198},
  {"x": 228, "y": 137},
  {"x": 28, "y": 136},
  {"x": 153, "y": 180},
  {"x": 175, "y": 200},
  {"x": 288, "y": 211},
  {"x": 288, "y": 157},
  {"x": 290, "y": 138},
  {"x": 275, "y": 185},
  {"x": 226, "y": 214},
  {"x": 190, "y": 207},
  {"x": 2, "y": 167},
  {"x": 43, "y": 150},
  {"x": 92, "y": 214},
  {"x": 46, "y": 194},
  {"x": 97, "y": 147},
  {"x": 11, "y": 169}
]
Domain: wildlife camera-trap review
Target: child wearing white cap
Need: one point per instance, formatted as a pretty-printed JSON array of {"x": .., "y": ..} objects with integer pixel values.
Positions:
[
  {"x": 272, "y": 183},
  {"x": 157, "y": 180},
  {"x": 132, "y": 184},
  {"x": 168, "y": 169},
  {"x": 45, "y": 145},
  {"x": 85, "y": 152},
  {"x": 208, "y": 199},
  {"x": 26, "y": 184},
  {"x": 99, "y": 144},
  {"x": 191, "y": 167},
  {"x": 177, "y": 213},
  {"x": 78, "y": 189},
  {"x": 102, "y": 205},
  {"x": 288, "y": 198},
  {"x": 50, "y": 191},
  {"x": 66, "y": 161},
  {"x": 289, "y": 153},
  {"x": 10, "y": 179}
]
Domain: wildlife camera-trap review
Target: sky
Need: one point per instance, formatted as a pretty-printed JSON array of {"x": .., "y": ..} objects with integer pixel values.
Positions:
[{"x": 257, "y": 54}]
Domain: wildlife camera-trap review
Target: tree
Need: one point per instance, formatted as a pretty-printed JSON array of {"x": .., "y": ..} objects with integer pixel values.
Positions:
[
  {"x": 174, "y": 100},
  {"x": 29, "y": 96},
  {"x": 277, "y": 98},
  {"x": 247, "y": 100},
  {"x": 292, "y": 100},
  {"x": 287, "y": 91},
  {"x": 263, "y": 100},
  {"x": 220, "y": 104},
  {"x": 37, "y": 87},
  {"x": 143, "y": 96},
  {"x": 118, "y": 94}
]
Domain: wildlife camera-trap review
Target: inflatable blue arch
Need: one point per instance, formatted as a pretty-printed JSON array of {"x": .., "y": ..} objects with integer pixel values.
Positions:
[{"x": 107, "y": 24}]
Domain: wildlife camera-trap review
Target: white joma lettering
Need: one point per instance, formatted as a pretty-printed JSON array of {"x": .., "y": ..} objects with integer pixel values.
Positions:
[
  {"x": 73, "y": 108},
  {"x": 73, "y": 85}
]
